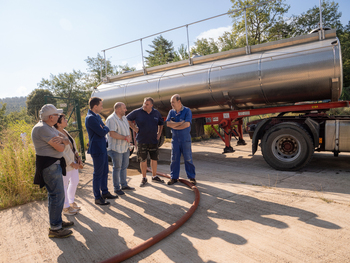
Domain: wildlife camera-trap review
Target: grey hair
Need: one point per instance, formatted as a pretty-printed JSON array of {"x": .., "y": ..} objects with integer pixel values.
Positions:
[{"x": 118, "y": 105}]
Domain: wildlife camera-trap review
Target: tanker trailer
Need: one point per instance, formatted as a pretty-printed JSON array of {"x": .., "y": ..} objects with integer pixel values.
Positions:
[{"x": 225, "y": 87}]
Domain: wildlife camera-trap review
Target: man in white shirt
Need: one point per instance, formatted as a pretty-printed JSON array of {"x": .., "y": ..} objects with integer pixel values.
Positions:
[{"x": 118, "y": 146}]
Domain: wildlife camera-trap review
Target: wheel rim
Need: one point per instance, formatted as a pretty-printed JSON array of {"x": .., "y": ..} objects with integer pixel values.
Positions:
[{"x": 286, "y": 148}]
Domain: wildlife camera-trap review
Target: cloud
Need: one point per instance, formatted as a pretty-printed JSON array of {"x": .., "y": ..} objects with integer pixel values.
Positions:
[
  {"x": 66, "y": 24},
  {"x": 214, "y": 33},
  {"x": 138, "y": 66}
]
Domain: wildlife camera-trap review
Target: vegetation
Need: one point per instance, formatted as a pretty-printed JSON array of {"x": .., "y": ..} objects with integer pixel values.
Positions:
[
  {"x": 17, "y": 158},
  {"x": 14, "y": 104},
  {"x": 36, "y": 99},
  {"x": 162, "y": 53}
]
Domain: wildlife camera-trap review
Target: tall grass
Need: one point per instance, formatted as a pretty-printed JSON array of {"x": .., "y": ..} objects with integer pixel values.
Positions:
[{"x": 17, "y": 167}]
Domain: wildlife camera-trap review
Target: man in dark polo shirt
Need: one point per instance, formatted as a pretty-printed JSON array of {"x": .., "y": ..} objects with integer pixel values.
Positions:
[
  {"x": 149, "y": 126},
  {"x": 49, "y": 147}
]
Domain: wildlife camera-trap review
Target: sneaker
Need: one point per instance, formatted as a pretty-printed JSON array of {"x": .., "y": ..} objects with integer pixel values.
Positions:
[
  {"x": 75, "y": 206},
  {"x": 172, "y": 181},
  {"x": 128, "y": 188},
  {"x": 109, "y": 196},
  {"x": 69, "y": 211},
  {"x": 193, "y": 181},
  {"x": 143, "y": 182},
  {"x": 60, "y": 233},
  {"x": 119, "y": 192},
  {"x": 156, "y": 179},
  {"x": 67, "y": 224}
]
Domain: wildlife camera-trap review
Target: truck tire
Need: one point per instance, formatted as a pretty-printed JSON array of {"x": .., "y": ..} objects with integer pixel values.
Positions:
[
  {"x": 161, "y": 140},
  {"x": 287, "y": 147}
]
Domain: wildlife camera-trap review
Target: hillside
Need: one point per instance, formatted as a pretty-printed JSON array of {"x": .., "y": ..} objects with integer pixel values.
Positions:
[{"x": 14, "y": 103}]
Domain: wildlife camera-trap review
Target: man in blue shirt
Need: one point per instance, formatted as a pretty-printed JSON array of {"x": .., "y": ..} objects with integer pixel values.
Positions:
[
  {"x": 149, "y": 127},
  {"x": 98, "y": 149},
  {"x": 179, "y": 120}
]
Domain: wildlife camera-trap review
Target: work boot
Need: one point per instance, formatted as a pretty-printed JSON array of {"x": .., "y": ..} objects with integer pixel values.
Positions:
[
  {"x": 193, "y": 181},
  {"x": 60, "y": 233},
  {"x": 172, "y": 181}
]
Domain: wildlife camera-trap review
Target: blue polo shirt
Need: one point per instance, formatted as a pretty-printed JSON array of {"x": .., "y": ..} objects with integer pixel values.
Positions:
[
  {"x": 184, "y": 114},
  {"x": 147, "y": 123}
]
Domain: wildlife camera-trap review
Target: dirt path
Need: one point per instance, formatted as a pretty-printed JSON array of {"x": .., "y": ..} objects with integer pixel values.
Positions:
[{"x": 248, "y": 213}]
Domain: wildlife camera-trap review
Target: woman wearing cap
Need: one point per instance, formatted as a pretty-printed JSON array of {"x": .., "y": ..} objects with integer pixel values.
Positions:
[{"x": 73, "y": 162}]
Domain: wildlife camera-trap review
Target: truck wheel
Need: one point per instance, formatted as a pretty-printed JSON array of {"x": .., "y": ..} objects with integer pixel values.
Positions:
[
  {"x": 287, "y": 147},
  {"x": 161, "y": 140}
]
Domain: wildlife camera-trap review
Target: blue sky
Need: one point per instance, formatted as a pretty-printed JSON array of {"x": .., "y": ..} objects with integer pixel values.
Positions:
[{"x": 43, "y": 37}]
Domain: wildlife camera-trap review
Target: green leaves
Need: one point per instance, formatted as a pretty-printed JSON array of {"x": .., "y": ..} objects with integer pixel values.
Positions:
[{"x": 162, "y": 53}]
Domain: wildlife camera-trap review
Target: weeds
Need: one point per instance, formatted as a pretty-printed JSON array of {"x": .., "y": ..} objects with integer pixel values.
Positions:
[{"x": 17, "y": 158}]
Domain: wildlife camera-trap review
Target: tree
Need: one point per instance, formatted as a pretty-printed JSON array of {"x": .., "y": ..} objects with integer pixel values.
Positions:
[
  {"x": 124, "y": 68},
  {"x": 264, "y": 22},
  {"x": 36, "y": 99},
  {"x": 75, "y": 85},
  {"x": 227, "y": 42},
  {"x": 344, "y": 38},
  {"x": 19, "y": 116},
  {"x": 94, "y": 68},
  {"x": 162, "y": 53},
  {"x": 310, "y": 20},
  {"x": 205, "y": 47},
  {"x": 181, "y": 53},
  {"x": 2, "y": 118}
]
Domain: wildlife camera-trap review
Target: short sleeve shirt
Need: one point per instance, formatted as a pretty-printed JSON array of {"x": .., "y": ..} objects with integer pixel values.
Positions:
[
  {"x": 120, "y": 126},
  {"x": 184, "y": 114},
  {"x": 42, "y": 133},
  {"x": 147, "y": 123}
]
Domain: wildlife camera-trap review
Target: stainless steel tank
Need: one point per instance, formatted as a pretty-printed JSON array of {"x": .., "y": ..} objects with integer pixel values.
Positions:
[{"x": 276, "y": 73}]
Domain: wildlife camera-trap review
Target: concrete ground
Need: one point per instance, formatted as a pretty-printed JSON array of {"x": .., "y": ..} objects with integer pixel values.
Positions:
[{"x": 248, "y": 212}]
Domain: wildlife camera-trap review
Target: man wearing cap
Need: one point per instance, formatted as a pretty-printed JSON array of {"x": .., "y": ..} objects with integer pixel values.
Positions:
[
  {"x": 50, "y": 165},
  {"x": 98, "y": 150}
]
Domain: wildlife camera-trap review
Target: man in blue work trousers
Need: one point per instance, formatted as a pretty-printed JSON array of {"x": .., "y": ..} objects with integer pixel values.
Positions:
[
  {"x": 98, "y": 149},
  {"x": 149, "y": 127},
  {"x": 179, "y": 120}
]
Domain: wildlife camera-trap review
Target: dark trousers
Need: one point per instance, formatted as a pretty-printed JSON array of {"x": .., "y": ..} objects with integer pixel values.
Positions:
[{"x": 100, "y": 175}]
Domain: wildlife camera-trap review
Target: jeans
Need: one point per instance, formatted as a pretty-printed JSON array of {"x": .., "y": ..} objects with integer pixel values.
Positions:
[
  {"x": 120, "y": 164},
  {"x": 179, "y": 147},
  {"x": 52, "y": 176},
  {"x": 100, "y": 175}
]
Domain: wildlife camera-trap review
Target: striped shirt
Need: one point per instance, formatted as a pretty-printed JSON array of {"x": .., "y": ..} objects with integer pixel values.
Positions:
[{"x": 120, "y": 126}]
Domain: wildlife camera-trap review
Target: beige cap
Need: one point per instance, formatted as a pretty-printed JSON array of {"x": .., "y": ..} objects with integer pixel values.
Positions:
[{"x": 49, "y": 109}]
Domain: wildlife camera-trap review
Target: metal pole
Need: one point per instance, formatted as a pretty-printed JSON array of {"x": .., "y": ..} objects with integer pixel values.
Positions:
[
  {"x": 104, "y": 54},
  {"x": 246, "y": 32},
  {"x": 143, "y": 62},
  {"x": 188, "y": 46},
  {"x": 321, "y": 32},
  {"x": 101, "y": 70}
]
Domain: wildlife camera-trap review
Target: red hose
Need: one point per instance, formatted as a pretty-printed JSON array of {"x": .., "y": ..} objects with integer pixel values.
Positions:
[{"x": 166, "y": 232}]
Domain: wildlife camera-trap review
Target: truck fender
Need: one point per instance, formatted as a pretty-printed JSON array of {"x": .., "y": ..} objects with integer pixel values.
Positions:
[
  {"x": 314, "y": 129},
  {"x": 257, "y": 134}
]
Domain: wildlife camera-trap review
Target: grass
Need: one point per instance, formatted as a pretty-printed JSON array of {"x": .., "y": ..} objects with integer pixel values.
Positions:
[{"x": 17, "y": 168}]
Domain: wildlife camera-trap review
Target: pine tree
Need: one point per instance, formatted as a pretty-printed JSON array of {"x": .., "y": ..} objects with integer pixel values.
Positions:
[{"x": 162, "y": 53}]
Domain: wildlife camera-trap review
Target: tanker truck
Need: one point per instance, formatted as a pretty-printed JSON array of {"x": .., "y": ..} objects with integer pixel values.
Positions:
[{"x": 300, "y": 75}]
